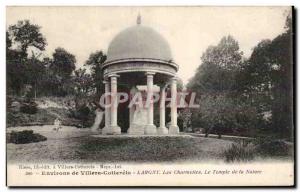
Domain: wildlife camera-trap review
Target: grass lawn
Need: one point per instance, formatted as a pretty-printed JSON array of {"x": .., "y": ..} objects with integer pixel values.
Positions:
[{"x": 81, "y": 145}]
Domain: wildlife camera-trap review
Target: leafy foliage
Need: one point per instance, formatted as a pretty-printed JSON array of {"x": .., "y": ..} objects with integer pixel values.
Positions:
[
  {"x": 26, "y": 136},
  {"x": 273, "y": 148},
  {"x": 214, "y": 81},
  {"x": 95, "y": 62},
  {"x": 16, "y": 72},
  {"x": 27, "y": 35},
  {"x": 240, "y": 152},
  {"x": 219, "y": 66},
  {"x": 267, "y": 80},
  {"x": 221, "y": 114},
  {"x": 83, "y": 82},
  {"x": 63, "y": 63},
  {"x": 29, "y": 107},
  {"x": 251, "y": 97}
]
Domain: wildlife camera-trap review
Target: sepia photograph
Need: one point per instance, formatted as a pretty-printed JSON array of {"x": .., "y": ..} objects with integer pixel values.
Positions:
[{"x": 150, "y": 96}]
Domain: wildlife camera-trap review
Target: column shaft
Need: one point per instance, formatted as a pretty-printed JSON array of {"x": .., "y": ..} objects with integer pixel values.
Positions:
[
  {"x": 174, "y": 129},
  {"x": 150, "y": 128},
  {"x": 149, "y": 98},
  {"x": 162, "y": 108},
  {"x": 114, "y": 109},
  {"x": 107, "y": 103},
  {"x": 115, "y": 129},
  {"x": 162, "y": 112}
]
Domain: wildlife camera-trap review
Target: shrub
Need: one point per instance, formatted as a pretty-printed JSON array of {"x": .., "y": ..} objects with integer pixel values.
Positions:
[
  {"x": 30, "y": 108},
  {"x": 273, "y": 148},
  {"x": 241, "y": 151},
  {"x": 26, "y": 136},
  {"x": 84, "y": 114}
]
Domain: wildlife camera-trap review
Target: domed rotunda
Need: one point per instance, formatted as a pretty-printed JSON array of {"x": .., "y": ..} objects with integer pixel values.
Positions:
[{"x": 140, "y": 59}]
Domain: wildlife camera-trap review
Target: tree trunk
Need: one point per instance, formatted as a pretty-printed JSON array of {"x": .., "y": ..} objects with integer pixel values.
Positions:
[{"x": 35, "y": 89}]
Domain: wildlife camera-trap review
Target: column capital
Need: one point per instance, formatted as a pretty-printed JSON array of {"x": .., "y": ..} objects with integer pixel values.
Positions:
[
  {"x": 105, "y": 78},
  {"x": 164, "y": 86},
  {"x": 105, "y": 81},
  {"x": 150, "y": 73},
  {"x": 113, "y": 75},
  {"x": 174, "y": 78}
]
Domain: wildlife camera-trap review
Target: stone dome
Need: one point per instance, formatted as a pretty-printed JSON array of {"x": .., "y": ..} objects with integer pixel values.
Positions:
[{"x": 139, "y": 42}]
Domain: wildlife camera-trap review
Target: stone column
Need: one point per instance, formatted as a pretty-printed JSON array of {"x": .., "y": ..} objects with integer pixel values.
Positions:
[
  {"x": 106, "y": 128},
  {"x": 115, "y": 129},
  {"x": 173, "y": 129},
  {"x": 150, "y": 127},
  {"x": 162, "y": 112}
]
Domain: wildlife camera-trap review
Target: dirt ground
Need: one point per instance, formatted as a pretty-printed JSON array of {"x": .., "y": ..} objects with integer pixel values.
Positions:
[{"x": 71, "y": 144}]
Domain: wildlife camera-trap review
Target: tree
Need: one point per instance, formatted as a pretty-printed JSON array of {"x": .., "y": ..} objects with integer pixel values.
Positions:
[
  {"x": 50, "y": 81},
  {"x": 63, "y": 63},
  {"x": 59, "y": 75},
  {"x": 214, "y": 83},
  {"x": 219, "y": 66},
  {"x": 282, "y": 108},
  {"x": 35, "y": 72},
  {"x": 15, "y": 70},
  {"x": 20, "y": 69},
  {"x": 267, "y": 80},
  {"x": 83, "y": 81},
  {"x": 95, "y": 62},
  {"x": 27, "y": 35},
  {"x": 255, "y": 78},
  {"x": 8, "y": 41}
]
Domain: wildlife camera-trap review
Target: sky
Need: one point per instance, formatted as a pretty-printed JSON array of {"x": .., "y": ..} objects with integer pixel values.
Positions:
[{"x": 189, "y": 30}]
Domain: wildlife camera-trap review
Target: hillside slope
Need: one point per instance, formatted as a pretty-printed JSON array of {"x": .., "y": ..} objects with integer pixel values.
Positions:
[{"x": 48, "y": 109}]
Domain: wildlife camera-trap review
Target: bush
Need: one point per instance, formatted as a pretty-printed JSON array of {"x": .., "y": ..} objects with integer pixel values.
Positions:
[
  {"x": 84, "y": 114},
  {"x": 241, "y": 151},
  {"x": 26, "y": 136},
  {"x": 273, "y": 148},
  {"x": 29, "y": 108}
]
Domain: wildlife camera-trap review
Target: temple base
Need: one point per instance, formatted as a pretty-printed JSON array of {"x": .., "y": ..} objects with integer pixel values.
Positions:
[
  {"x": 173, "y": 129},
  {"x": 150, "y": 130},
  {"x": 98, "y": 131},
  {"x": 162, "y": 131},
  {"x": 136, "y": 130},
  {"x": 112, "y": 130}
]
